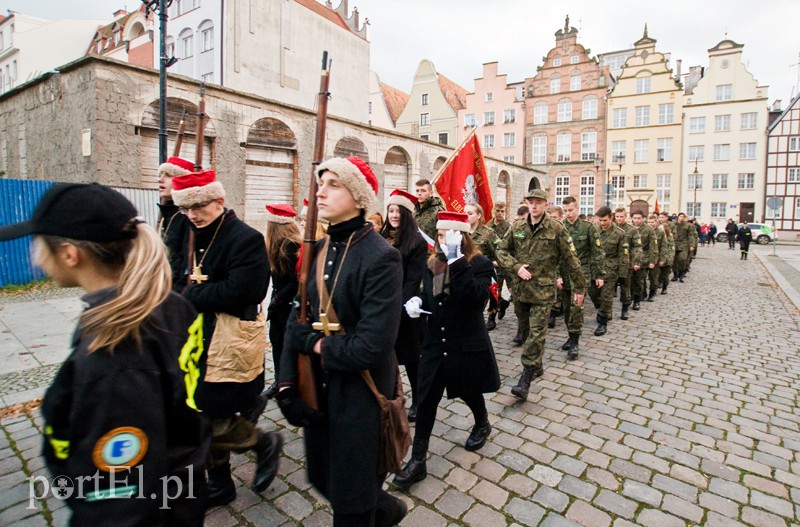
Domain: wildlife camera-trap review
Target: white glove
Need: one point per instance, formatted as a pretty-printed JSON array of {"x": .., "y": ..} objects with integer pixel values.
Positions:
[
  {"x": 414, "y": 307},
  {"x": 452, "y": 247}
]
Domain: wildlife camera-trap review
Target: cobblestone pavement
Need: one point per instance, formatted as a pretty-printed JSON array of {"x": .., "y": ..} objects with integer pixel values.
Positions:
[{"x": 686, "y": 414}]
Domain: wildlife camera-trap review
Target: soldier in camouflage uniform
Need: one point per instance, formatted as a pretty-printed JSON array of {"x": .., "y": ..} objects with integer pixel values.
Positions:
[
  {"x": 654, "y": 276},
  {"x": 589, "y": 250},
  {"x": 616, "y": 260},
  {"x": 427, "y": 208},
  {"x": 486, "y": 241},
  {"x": 635, "y": 252},
  {"x": 669, "y": 241},
  {"x": 556, "y": 213},
  {"x": 500, "y": 226},
  {"x": 695, "y": 240},
  {"x": 649, "y": 258},
  {"x": 534, "y": 248},
  {"x": 684, "y": 240}
]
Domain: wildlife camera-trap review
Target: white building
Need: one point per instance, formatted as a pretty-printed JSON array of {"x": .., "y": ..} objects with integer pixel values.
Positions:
[
  {"x": 783, "y": 169},
  {"x": 725, "y": 116},
  {"x": 32, "y": 46},
  {"x": 273, "y": 49},
  {"x": 386, "y": 103}
]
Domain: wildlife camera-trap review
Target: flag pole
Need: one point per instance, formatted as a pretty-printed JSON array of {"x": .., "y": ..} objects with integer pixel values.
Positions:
[{"x": 454, "y": 154}]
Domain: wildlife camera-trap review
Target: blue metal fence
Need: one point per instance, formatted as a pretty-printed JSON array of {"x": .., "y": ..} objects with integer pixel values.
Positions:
[{"x": 18, "y": 198}]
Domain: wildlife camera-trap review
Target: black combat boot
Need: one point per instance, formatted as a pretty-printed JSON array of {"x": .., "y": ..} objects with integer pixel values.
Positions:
[
  {"x": 221, "y": 489},
  {"x": 518, "y": 339},
  {"x": 412, "y": 412},
  {"x": 681, "y": 276},
  {"x": 477, "y": 438},
  {"x": 524, "y": 385},
  {"x": 568, "y": 344},
  {"x": 624, "y": 315},
  {"x": 664, "y": 290},
  {"x": 652, "y": 296},
  {"x": 745, "y": 256},
  {"x": 602, "y": 322},
  {"x": 636, "y": 306},
  {"x": 415, "y": 470},
  {"x": 503, "y": 306},
  {"x": 268, "y": 451},
  {"x": 491, "y": 323},
  {"x": 551, "y": 322},
  {"x": 675, "y": 276},
  {"x": 572, "y": 352}
]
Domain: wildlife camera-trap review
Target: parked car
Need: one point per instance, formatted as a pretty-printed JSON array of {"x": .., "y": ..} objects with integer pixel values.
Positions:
[{"x": 762, "y": 233}]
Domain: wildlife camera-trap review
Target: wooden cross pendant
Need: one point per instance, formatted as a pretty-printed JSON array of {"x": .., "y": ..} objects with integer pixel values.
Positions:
[
  {"x": 197, "y": 275},
  {"x": 325, "y": 325}
]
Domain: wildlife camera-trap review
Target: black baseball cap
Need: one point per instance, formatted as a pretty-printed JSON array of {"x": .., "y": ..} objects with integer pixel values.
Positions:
[{"x": 89, "y": 212}]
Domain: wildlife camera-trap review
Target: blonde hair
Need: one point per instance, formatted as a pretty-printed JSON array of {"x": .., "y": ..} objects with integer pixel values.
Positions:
[
  {"x": 277, "y": 238},
  {"x": 144, "y": 283}
]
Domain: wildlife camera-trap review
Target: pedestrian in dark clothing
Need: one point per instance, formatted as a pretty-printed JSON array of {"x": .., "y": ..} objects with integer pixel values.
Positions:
[
  {"x": 745, "y": 236},
  {"x": 712, "y": 233},
  {"x": 732, "y": 229},
  {"x": 363, "y": 275},
  {"x": 118, "y": 418},
  {"x": 457, "y": 353}
]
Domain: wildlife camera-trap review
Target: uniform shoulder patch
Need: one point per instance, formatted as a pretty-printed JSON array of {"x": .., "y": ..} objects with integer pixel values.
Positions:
[
  {"x": 120, "y": 448},
  {"x": 519, "y": 234},
  {"x": 597, "y": 242}
]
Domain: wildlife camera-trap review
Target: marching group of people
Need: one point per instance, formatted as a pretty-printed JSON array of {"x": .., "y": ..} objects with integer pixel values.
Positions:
[{"x": 167, "y": 365}]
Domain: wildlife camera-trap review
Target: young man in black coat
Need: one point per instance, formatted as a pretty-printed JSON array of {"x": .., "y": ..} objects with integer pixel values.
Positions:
[{"x": 364, "y": 277}]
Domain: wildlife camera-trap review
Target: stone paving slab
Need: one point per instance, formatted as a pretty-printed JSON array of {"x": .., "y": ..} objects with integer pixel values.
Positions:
[{"x": 686, "y": 414}]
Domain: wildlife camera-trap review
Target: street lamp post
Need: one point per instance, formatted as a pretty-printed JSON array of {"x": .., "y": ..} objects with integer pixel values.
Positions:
[
  {"x": 618, "y": 160},
  {"x": 165, "y": 62}
]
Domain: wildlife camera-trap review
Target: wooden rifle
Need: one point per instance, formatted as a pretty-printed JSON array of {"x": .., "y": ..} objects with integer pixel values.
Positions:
[
  {"x": 200, "y": 130},
  {"x": 176, "y": 151},
  {"x": 306, "y": 383}
]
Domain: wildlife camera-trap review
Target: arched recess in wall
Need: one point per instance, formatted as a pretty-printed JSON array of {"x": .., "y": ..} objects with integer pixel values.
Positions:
[
  {"x": 148, "y": 146},
  {"x": 396, "y": 171},
  {"x": 270, "y": 169},
  {"x": 534, "y": 184},
  {"x": 640, "y": 205},
  {"x": 504, "y": 188},
  {"x": 439, "y": 163},
  {"x": 351, "y": 146}
]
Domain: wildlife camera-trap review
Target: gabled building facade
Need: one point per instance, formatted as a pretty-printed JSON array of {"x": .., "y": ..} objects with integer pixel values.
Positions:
[
  {"x": 565, "y": 121},
  {"x": 128, "y": 38},
  {"x": 725, "y": 114},
  {"x": 386, "y": 103},
  {"x": 643, "y": 147},
  {"x": 783, "y": 170}
]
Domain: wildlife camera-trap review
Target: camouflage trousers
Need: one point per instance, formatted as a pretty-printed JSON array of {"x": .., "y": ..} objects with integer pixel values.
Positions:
[
  {"x": 603, "y": 297},
  {"x": 663, "y": 277},
  {"x": 573, "y": 313},
  {"x": 625, "y": 289},
  {"x": 681, "y": 261},
  {"x": 639, "y": 285},
  {"x": 654, "y": 277},
  {"x": 532, "y": 320}
]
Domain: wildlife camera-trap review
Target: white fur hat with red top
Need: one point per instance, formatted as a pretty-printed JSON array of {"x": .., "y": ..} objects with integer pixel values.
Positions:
[
  {"x": 452, "y": 221},
  {"x": 402, "y": 198},
  {"x": 304, "y": 210},
  {"x": 356, "y": 175},
  {"x": 176, "y": 166},
  {"x": 196, "y": 188},
  {"x": 281, "y": 213}
]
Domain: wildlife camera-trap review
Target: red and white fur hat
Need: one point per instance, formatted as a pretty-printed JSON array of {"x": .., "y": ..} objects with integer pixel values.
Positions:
[
  {"x": 176, "y": 166},
  {"x": 402, "y": 198},
  {"x": 281, "y": 213},
  {"x": 195, "y": 188},
  {"x": 452, "y": 221},
  {"x": 356, "y": 175}
]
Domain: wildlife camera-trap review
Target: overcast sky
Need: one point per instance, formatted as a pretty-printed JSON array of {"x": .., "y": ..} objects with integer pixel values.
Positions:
[{"x": 460, "y": 35}]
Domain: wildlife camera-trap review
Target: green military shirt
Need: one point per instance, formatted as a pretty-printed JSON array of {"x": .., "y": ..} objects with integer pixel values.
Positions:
[
  {"x": 500, "y": 229},
  {"x": 634, "y": 244},
  {"x": 486, "y": 241},
  {"x": 588, "y": 248},
  {"x": 615, "y": 247},
  {"x": 683, "y": 235},
  {"x": 649, "y": 245},
  {"x": 543, "y": 247},
  {"x": 426, "y": 214},
  {"x": 661, "y": 242},
  {"x": 670, "y": 249}
]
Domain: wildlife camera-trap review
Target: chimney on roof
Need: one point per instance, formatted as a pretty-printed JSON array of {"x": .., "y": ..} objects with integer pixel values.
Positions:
[
  {"x": 776, "y": 106},
  {"x": 678, "y": 69},
  {"x": 120, "y": 13}
]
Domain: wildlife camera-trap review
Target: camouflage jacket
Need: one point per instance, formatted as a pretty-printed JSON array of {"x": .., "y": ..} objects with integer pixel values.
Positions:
[
  {"x": 649, "y": 245},
  {"x": 615, "y": 247},
  {"x": 486, "y": 241},
  {"x": 684, "y": 235},
  {"x": 499, "y": 228},
  {"x": 663, "y": 249},
  {"x": 670, "y": 249},
  {"x": 588, "y": 248},
  {"x": 426, "y": 215},
  {"x": 634, "y": 244},
  {"x": 542, "y": 247}
]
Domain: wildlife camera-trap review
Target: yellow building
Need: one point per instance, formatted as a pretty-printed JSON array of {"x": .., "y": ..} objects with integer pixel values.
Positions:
[{"x": 644, "y": 133}]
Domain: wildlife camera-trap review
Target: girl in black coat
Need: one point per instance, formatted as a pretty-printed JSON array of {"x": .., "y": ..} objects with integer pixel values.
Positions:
[
  {"x": 457, "y": 353},
  {"x": 402, "y": 232},
  {"x": 732, "y": 231}
]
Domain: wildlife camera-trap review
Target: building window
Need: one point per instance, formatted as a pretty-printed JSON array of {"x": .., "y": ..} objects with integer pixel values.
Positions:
[
  {"x": 620, "y": 118},
  {"x": 587, "y": 193},
  {"x": 170, "y": 48},
  {"x": 562, "y": 187},
  {"x": 539, "y": 150},
  {"x": 575, "y": 82},
  {"x": 425, "y": 136},
  {"x": 509, "y": 159},
  {"x": 747, "y": 181},
  {"x": 722, "y": 152},
  {"x": 2, "y": 44},
  {"x": 663, "y": 190},
  {"x": 540, "y": 113},
  {"x": 722, "y": 123},
  {"x": 640, "y": 181},
  {"x": 589, "y": 107},
  {"x": 793, "y": 175},
  {"x": 618, "y": 194},
  {"x": 696, "y": 153},
  {"x": 564, "y": 110},
  {"x": 564, "y": 148},
  {"x": 643, "y": 85},
  {"x": 719, "y": 181},
  {"x": 618, "y": 149},
  {"x": 642, "y": 116},
  {"x": 443, "y": 136},
  {"x": 556, "y": 62},
  {"x": 208, "y": 39},
  {"x": 666, "y": 113},
  {"x": 718, "y": 209},
  {"x": 469, "y": 119},
  {"x": 749, "y": 121},
  {"x": 424, "y": 99},
  {"x": 724, "y": 92},
  {"x": 509, "y": 139},
  {"x": 697, "y": 125},
  {"x": 509, "y": 116},
  {"x": 489, "y": 96},
  {"x": 641, "y": 152},
  {"x": 588, "y": 146},
  {"x": 695, "y": 179},
  {"x": 488, "y": 118},
  {"x": 747, "y": 150},
  {"x": 555, "y": 84},
  {"x": 694, "y": 209},
  {"x": 488, "y": 141},
  {"x": 794, "y": 144},
  {"x": 179, "y": 8},
  {"x": 187, "y": 43},
  {"x": 664, "y": 149},
  {"x": 574, "y": 58},
  {"x": 424, "y": 119}
]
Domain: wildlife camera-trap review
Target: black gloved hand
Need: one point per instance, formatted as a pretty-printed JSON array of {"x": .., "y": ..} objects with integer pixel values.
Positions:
[
  {"x": 301, "y": 337},
  {"x": 295, "y": 410}
]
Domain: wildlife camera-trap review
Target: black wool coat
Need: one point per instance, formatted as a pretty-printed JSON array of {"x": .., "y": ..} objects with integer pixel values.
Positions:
[
  {"x": 408, "y": 345},
  {"x": 174, "y": 229},
  {"x": 457, "y": 339},
  {"x": 238, "y": 276},
  {"x": 342, "y": 449}
]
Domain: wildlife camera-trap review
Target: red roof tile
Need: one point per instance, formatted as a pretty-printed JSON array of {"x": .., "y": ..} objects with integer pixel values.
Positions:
[
  {"x": 395, "y": 99},
  {"x": 324, "y": 12},
  {"x": 455, "y": 95}
]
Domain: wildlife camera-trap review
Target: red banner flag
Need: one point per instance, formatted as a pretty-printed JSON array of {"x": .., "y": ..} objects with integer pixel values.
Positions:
[
  {"x": 464, "y": 180},
  {"x": 656, "y": 207}
]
